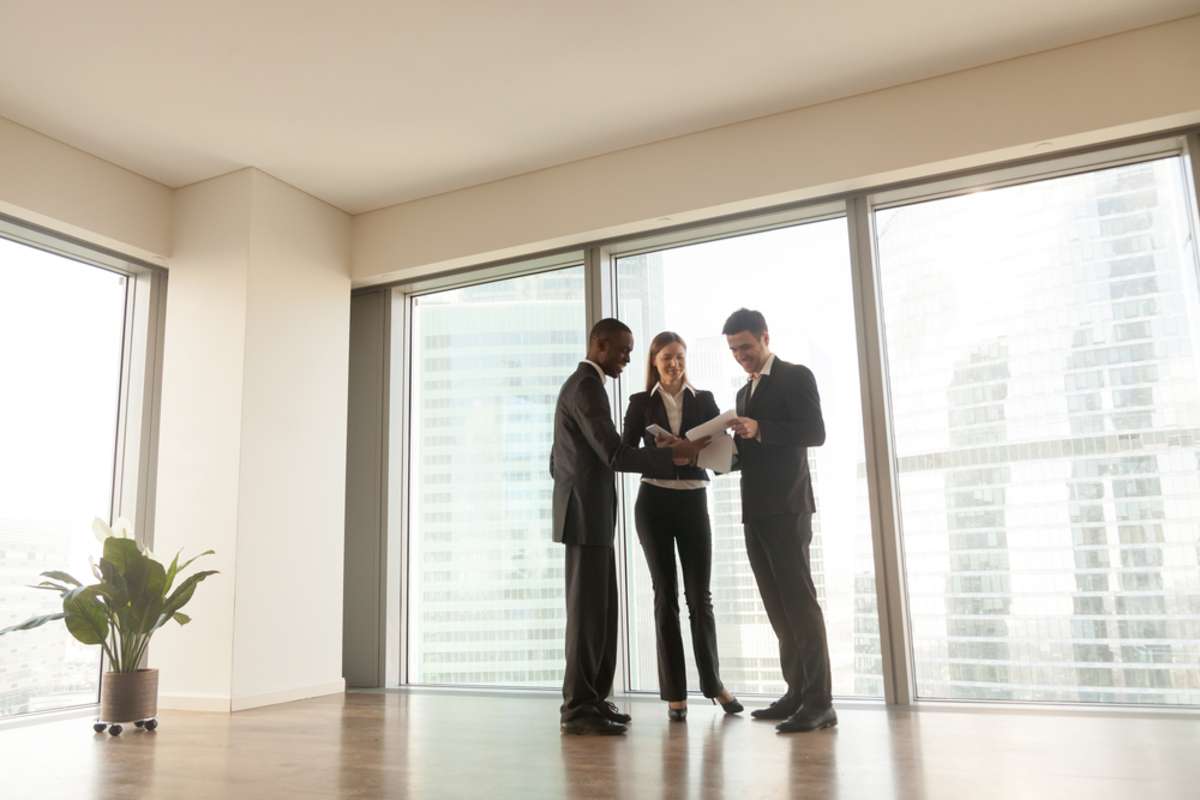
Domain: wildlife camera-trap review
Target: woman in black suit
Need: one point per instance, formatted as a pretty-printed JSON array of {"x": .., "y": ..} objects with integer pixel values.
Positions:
[{"x": 672, "y": 510}]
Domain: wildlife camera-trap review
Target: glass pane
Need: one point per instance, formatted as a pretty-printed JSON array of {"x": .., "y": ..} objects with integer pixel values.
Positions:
[
  {"x": 799, "y": 277},
  {"x": 485, "y": 579},
  {"x": 61, "y": 325},
  {"x": 1041, "y": 344}
]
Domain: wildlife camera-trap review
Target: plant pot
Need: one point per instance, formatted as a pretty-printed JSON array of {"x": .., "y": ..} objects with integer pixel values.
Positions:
[{"x": 129, "y": 696}]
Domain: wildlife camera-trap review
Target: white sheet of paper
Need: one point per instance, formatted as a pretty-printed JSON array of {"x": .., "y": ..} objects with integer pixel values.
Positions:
[
  {"x": 718, "y": 456},
  {"x": 712, "y": 427},
  {"x": 657, "y": 430}
]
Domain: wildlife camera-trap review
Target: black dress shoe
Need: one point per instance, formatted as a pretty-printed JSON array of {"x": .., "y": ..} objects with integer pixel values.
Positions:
[
  {"x": 610, "y": 711},
  {"x": 677, "y": 714},
  {"x": 592, "y": 726},
  {"x": 805, "y": 720},
  {"x": 780, "y": 709},
  {"x": 733, "y": 707}
]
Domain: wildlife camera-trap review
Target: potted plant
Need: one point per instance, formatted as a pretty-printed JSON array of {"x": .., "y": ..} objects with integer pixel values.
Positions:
[{"x": 133, "y": 597}]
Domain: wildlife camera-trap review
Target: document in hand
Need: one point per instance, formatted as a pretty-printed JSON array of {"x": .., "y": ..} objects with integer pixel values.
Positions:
[{"x": 718, "y": 456}]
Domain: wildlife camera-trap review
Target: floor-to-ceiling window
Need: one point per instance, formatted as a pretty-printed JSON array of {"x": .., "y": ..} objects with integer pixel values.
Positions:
[
  {"x": 1034, "y": 404},
  {"x": 61, "y": 342},
  {"x": 799, "y": 277},
  {"x": 485, "y": 581},
  {"x": 1043, "y": 348}
]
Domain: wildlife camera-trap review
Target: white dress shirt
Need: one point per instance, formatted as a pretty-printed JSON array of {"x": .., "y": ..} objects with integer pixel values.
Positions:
[
  {"x": 674, "y": 407},
  {"x": 766, "y": 370}
]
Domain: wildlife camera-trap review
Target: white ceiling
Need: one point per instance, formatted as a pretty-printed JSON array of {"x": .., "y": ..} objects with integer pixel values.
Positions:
[{"x": 369, "y": 103}]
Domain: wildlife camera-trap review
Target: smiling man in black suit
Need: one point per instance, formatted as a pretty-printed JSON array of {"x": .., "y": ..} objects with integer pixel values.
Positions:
[
  {"x": 779, "y": 418},
  {"x": 584, "y": 459}
]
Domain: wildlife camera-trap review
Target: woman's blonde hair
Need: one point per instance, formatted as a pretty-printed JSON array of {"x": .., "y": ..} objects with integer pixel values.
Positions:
[{"x": 656, "y": 345}]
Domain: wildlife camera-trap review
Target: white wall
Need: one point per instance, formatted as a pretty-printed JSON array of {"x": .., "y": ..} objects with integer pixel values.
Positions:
[
  {"x": 48, "y": 183},
  {"x": 1123, "y": 85},
  {"x": 291, "y": 509},
  {"x": 252, "y": 441},
  {"x": 200, "y": 431}
]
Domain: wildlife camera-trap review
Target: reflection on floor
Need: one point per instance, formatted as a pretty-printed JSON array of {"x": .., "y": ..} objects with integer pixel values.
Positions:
[{"x": 438, "y": 745}]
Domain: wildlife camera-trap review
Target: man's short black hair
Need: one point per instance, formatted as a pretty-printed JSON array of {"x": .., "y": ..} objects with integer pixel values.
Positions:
[
  {"x": 745, "y": 320},
  {"x": 606, "y": 329}
]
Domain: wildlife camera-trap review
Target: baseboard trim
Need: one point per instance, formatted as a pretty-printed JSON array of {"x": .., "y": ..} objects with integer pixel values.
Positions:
[
  {"x": 183, "y": 702},
  {"x": 194, "y": 702},
  {"x": 288, "y": 695}
]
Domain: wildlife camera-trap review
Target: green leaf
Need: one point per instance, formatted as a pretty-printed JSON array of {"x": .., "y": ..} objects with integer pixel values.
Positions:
[
  {"x": 114, "y": 584},
  {"x": 147, "y": 605},
  {"x": 171, "y": 572},
  {"x": 121, "y": 553},
  {"x": 85, "y": 616},
  {"x": 177, "y": 568},
  {"x": 178, "y": 616},
  {"x": 32, "y": 622},
  {"x": 182, "y": 595},
  {"x": 55, "y": 587},
  {"x": 62, "y": 577}
]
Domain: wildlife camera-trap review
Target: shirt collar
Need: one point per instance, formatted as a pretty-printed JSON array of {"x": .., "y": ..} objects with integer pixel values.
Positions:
[
  {"x": 766, "y": 370},
  {"x": 686, "y": 386},
  {"x": 596, "y": 367}
]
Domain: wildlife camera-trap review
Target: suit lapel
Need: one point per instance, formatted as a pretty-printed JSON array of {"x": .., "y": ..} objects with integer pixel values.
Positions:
[
  {"x": 741, "y": 399},
  {"x": 658, "y": 411},
  {"x": 755, "y": 400},
  {"x": 685, "y": 417}
]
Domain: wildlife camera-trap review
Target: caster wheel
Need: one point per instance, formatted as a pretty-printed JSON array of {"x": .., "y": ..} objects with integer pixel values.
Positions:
[
  {"x": 114, "y": 730},
  {"x": 139, "y": 723},
  {"x": 151, "y": 724},
  {"x": 99, "y": 727}
]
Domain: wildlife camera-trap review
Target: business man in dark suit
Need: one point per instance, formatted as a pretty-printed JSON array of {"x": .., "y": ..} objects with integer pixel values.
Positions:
[
  {"x": 584, "y": 459},
  {"x": 779, "y": 418}
]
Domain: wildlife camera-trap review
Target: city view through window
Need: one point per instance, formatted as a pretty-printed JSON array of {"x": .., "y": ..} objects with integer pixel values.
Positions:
[
  {"x": 485, "y": 580},
  {"x": 61, "y": 327},
  {"x": 1042, "y": 352}
]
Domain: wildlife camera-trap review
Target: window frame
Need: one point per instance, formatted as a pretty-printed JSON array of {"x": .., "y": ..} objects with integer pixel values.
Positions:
[{"x": 135, "y": 445}]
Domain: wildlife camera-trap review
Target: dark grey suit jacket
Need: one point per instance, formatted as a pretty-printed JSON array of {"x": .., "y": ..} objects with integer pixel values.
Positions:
[
  {"x": 584, "y": 459},
  {"x": 775, "y": 475}
]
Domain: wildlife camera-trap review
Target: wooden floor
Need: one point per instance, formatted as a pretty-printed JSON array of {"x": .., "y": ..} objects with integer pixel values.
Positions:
[{"x": 433, "y": 745}]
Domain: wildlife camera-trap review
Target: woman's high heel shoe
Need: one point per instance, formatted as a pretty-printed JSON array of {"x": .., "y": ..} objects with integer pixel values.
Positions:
[
  {"x": 677, "y": 714},
  {"x": 732, "y": 707}
]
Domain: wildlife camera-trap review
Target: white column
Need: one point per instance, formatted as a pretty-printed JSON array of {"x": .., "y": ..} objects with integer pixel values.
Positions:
[{"x": 252, "y": 441}]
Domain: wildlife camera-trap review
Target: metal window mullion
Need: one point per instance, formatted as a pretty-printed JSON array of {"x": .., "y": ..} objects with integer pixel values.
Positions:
[
  {"x": 136, "y": 451},
  {"x": 600, "y": 288},
  {"x": 398, "y": 342},
  {"x": 119, "y": 500},
  {"x": 895, "y": 639},
  {"x": 1192, "y": 165},
  {"x": 153, "y": 305}
]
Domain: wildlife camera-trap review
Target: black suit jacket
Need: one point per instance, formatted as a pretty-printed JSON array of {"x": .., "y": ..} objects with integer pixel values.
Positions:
[
  {"x": 775, "y": 476},
  {"x": 647, "y": 409},
  {"x": 584, "y": 459}
]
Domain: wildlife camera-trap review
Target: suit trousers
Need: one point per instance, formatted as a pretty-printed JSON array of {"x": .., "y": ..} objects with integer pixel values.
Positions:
[
  {"x": 591, "y": 642},
  {"x": 666, "y": 519},
  {"x": 777, "y": 546}
]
